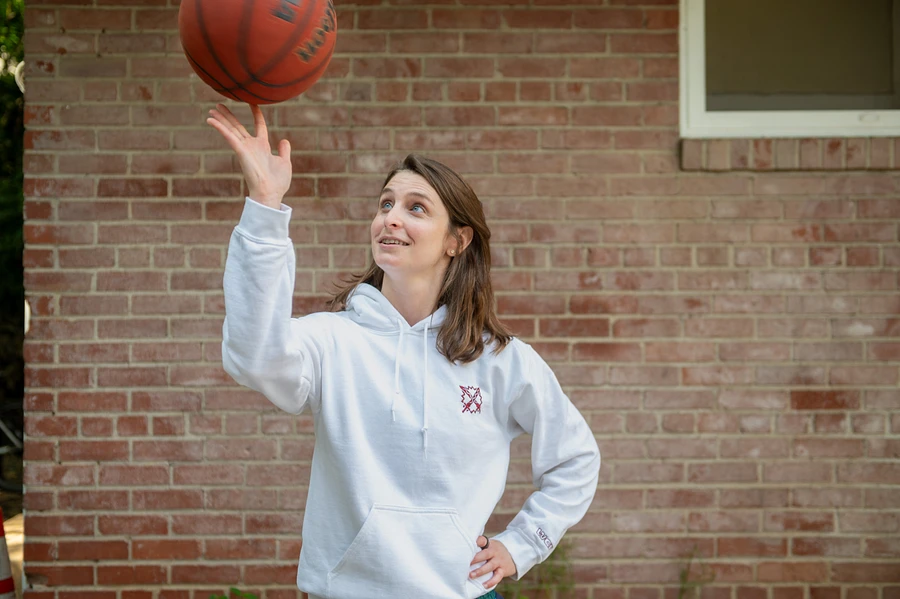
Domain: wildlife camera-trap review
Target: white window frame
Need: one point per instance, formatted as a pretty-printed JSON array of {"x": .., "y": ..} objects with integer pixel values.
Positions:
[{"x": 697, "y": 122}]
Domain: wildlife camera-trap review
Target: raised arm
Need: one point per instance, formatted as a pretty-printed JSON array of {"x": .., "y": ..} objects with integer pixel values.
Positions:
[{"x": 262, "y": 346}]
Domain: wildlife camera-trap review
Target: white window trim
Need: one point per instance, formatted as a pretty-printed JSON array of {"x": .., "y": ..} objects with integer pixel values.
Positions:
[{"x": 697, "y": 122}]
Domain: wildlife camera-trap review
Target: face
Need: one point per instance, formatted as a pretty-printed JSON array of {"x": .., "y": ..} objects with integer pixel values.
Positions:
[{"x": 411, "y": 230}]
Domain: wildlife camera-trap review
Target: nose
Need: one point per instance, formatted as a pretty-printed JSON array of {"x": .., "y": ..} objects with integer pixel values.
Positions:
[{"x": 392, "y": 219}]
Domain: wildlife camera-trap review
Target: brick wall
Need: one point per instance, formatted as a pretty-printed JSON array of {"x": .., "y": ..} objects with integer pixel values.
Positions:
[{"x": 730, "y": 335}]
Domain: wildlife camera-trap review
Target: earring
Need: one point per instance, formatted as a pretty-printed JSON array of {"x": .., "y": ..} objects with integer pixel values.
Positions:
[{"x": 452, "y": 252}]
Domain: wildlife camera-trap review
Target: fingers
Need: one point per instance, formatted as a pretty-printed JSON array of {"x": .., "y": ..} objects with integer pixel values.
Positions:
[
  {"x": 231, "y": 120},
  {"x": 227, "y": 132},
  {"x": 284, "y": 149},
  {"x": 482, "y": 543},
  {"x": 495, "y": 579},
  {"x": 495, "y": 557},
  {"x": 259, "y": 122},
  {"x": 481, "y": 570}
]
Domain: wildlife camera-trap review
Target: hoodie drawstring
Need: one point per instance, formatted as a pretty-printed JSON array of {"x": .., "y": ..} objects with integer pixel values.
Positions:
[
  {"x": 425, "y": 388},
  {"x": 402, "y": 327},
  {"x": 397, "y": 372}
]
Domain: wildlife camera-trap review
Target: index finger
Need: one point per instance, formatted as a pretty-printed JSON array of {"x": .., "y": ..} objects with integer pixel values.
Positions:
[{"x": 259, "y": 122}]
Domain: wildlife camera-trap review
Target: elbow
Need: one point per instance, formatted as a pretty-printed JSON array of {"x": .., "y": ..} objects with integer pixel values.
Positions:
[
  {"x": 231, "y": 365},
  {"x": 595, "y": 461},
  {"x": 245, "y": 368},
  {"x": 286, "y": 392}
]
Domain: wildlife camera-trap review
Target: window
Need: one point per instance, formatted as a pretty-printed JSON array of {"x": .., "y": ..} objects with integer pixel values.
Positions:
[{"x": 795, "y": 68}]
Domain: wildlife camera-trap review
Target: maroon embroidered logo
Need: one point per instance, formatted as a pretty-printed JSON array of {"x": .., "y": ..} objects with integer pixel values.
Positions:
[
  {"x": 471, "y": 399},
  {"x": 543, "y": 536}
]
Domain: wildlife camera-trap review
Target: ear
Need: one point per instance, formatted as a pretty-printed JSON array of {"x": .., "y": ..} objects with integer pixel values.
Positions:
[{"x": 460, "y": 241}]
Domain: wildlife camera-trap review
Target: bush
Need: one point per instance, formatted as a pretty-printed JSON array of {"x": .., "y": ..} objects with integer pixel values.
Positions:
[{"x": 12, "y": 293}]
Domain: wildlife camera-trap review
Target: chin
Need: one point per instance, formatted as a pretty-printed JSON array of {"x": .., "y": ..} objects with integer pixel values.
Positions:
[{"x": 385, "y": 263}]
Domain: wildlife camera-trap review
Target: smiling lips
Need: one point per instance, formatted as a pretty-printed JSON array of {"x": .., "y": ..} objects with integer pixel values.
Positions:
[{"x": 391, "y": 241}]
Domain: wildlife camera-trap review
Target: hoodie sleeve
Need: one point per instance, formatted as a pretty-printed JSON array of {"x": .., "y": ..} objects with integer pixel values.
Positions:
[
  {"x": 565, "y": 465},
  {"x": 263, "y": 348}
]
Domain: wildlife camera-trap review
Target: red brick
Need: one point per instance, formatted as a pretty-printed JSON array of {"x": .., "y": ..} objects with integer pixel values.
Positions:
[
  {"x": 64, "y": 575},
  {"x": 133, "y": 140},
  {"x": 131, "y": 575},
  {"x": 158, "y": 67},
  {"x": 135, "y": 525},
  {"x": 529, "y": 115},
  {"x": 166, "y": 549},
  {"x": 540, "y": 19},
  {"x": 863, "y": 572},
  {"x": 468, "y": 18},
  {"x": 750, "y": 546},
  {"x": 132, "y": 187},
  {"x": 248, "y": 449},
  {"x": 719, "y": 472},
  {"x": 634, "y": 43},
  {"x": 131, "y": 376},
  {"x": 793, "y": 572},
  {"x": 93, "y": 211},
  {"x": 717, "y": 375},
  {"x": 57, "y": 377},
  {"x": 131, "y": 281},
  {"x": 827, "y": 400},
  {"x": 155, "y": 164},
  {"x": 94, "y": 500},
  {"x": 93, "y": 164},
  {"x": 393, "y": 19},
  {"x": 75, "y": 188},
  {"x": 799, "y": 521},
  {"x": 149, "y": 19},
  {"x": 59, "y": 476},
  {"x": 262, "y": 523},
  {"x": 100, "y": 66},
  {"x": 93, "y": 352},
  {"x": 722, "y": 521},
  {"x": 50, "y": 426},
  {"x": 93, "y": 450}
]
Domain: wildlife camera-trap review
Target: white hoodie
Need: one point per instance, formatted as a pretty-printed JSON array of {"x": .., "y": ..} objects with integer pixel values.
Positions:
[{"x": 411, "y": 451}]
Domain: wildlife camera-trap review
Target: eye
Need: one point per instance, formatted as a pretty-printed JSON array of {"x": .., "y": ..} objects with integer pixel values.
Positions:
[
  {"x": 386, "y": 204},
  {"x": 418, "y": 208}
]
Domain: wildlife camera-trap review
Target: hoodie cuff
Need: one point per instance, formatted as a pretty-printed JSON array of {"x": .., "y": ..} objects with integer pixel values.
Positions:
[
  {"x": 523, "y": 554},
  {"x": 264, "y": 223}
]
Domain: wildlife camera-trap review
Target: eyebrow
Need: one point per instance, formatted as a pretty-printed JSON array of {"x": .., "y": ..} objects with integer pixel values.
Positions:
[{"x": 418, "y": 194}]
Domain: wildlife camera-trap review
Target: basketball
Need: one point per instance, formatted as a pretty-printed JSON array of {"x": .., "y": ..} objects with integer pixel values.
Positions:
[{"x": 258, "y": 51}]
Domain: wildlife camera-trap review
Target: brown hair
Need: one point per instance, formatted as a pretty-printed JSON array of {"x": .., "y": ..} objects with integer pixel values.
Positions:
[{"x": 466, "y": 289}]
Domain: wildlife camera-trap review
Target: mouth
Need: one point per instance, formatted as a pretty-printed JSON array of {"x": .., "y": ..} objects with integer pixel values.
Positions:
[{"x": 391, "y": 241}]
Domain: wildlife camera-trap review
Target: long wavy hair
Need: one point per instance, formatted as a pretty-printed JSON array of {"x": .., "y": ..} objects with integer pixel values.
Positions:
[{"x": 466, "y": 290}]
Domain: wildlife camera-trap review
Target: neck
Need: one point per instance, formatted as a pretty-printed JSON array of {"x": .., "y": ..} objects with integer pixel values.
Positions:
[{"x": 414, "y": 299}]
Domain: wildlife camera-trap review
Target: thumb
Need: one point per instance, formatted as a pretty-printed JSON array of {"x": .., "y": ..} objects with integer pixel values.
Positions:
[{"x": 284, "y": 149}]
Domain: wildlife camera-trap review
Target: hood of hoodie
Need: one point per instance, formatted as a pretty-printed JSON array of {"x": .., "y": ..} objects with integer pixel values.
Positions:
[{"x": 369, "y": 308}]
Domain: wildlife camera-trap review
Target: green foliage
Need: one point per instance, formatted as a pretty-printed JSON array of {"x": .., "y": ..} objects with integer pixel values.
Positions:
[
  {"x": 11, "y": 28},
  {"x": 551, "y": 578},
  {"x": 12, "y": 103},
  {"x": 12, "y": 132},
  {"x": 689, "y": 588},
  {"x": 233, "y": 592}
]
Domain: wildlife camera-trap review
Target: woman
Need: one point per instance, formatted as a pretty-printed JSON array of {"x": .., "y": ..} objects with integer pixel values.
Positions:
[{"x": 415, "y": 387}]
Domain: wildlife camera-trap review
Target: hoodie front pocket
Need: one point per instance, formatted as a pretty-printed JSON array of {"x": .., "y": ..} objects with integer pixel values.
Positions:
[{"x": 407, "y": 552}]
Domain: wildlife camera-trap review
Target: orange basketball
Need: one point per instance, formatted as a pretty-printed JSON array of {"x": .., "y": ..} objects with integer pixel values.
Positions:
[{"x": 258, "y": 51}]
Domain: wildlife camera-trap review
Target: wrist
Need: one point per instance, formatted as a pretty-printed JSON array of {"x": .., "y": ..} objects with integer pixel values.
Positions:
[{"x": 268, "y": 200}]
